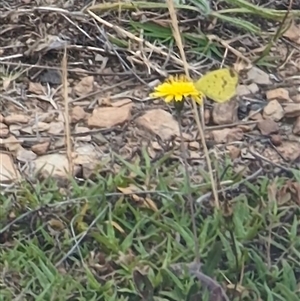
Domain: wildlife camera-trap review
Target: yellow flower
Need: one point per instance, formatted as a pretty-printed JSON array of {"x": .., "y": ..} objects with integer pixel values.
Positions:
[{"x": 177, "y": 88}]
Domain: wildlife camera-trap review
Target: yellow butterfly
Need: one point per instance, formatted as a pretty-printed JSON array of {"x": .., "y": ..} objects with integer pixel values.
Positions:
[{"x": 219, "y": 85}]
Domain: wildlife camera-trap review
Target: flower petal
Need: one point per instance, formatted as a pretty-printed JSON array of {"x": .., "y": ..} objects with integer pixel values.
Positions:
[
  {"x": 169, "y": 98},
  {"x": 178, "y": 97}
]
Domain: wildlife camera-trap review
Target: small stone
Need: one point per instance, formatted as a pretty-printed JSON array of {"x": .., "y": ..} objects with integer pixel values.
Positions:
[
  {"x": 268, "y": 126},
  {"x": 194, "y": 145},
  {"x": 11, "y": 143},
  {"x": 279, "y": 94},
  {"x": 47, "y": 117},
  {"x": 77, "y": 114},
  {"x": 88, "y": 170},
  {"x": 24, "y": 155},
  {"x": 16, "y": 119},
  {"x": 236, "y": 134},
  {"x": 8, "y": 172},
  {"x": 58, "y": 143},
  {"x": 289, "y": 150},
  {"x": 27, "y": 130},
  {"x": 273, "y": 110},
  {"x": 291, "y": 110},
  {"x": 225, "y": 113},
  {"x": 246, "y": 127},
  {"x": 276, "y": 140},
  {"x": 14, "y": 129},
  {"x": 258, "y": 76},
  {"x": 85, "y": 86},
  {"x": 109, "y": 117},
  {"x": 41, "y": 127},
  {"x": 4, "y": 131},
  {"x": 160, "y": 123},
  {"x": 81, "y": 129},
  {"x": 296, "y": 128},
  {"x": 292, "y": 33},
  {"x": 1, "y": 118},
  {"x": 99, "y": 57},
  {"x": 253, "y": 88},
  {"x": 87, "y": 158},
  {"x": 234, "y": 151},
  {"x": 253, "y": 115},
  {"x": 60, "y": 117},
  {"x": 156, "y": 146},
  {"x": 52, "y": 165},
  {"x": 227, "y": 135},
  {"x": 85, "y": 154},
  {"x": 243, "y": 90},
  {"x": 194, "y": 155},
  {"x": 296, "y": 98},
  {"x": 41, "y": 148},
  {"x": 36, "y": 88},
  {"x": 56, "y": 128}
]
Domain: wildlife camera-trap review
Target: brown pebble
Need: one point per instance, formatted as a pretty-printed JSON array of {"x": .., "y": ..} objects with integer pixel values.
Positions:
[
  {"x": 3, "y": 126},
  {"x": 41, "y": 148},
  {"x": 4, "y": 133},
  {"x": 77, "y": 114},
  {"x": 234, "y": 151},
  {"x": 255, "y": 115},
  {"x": 16, "y": 119},
  {"x": 268, "y": 126},
  {"x": 276, "y": 140}
]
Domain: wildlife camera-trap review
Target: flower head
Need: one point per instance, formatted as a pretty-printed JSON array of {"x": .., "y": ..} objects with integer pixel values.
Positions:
[{"x": 177, "y": 88}]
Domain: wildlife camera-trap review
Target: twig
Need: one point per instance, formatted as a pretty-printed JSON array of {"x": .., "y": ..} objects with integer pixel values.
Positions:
[
  {"x": 177, "y": 37},
  {"x": 9, "y": 57},
  {"x": 66, "y": 117},
  {"x": 229, "y": 125}
]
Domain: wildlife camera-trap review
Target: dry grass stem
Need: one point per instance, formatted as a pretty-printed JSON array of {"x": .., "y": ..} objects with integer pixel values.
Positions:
[
  {"x": 68, "y": 138},
  {"x": 177, "y": 37}
]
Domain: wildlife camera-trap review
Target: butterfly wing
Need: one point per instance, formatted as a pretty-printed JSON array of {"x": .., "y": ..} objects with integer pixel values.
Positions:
[{"x": 219, "y": 85}]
